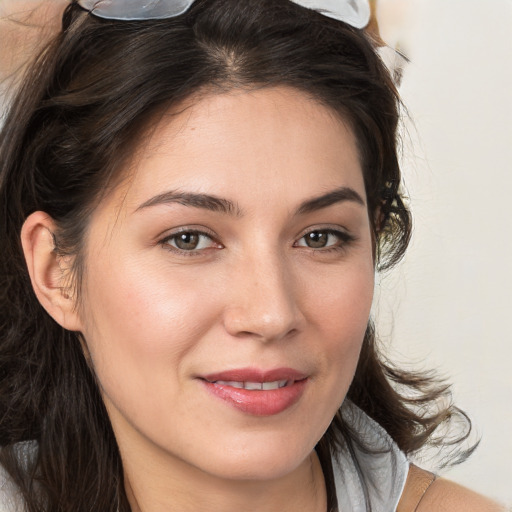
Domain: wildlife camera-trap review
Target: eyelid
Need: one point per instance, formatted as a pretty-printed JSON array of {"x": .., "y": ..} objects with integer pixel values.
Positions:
[
  {"x": 343, "y": 234},
  {"x": 330, "y": 228},
  {"x": 196, "y": 230},
  {"x": 193, "y": 228}
]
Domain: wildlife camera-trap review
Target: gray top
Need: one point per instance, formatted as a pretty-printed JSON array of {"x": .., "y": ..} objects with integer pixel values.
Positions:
[
  {"x": 10, "y": 500},
  {"x": 385, "y": 472}
]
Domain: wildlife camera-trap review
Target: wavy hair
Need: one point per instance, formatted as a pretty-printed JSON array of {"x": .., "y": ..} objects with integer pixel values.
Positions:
[{"x": 81, "y": 111}]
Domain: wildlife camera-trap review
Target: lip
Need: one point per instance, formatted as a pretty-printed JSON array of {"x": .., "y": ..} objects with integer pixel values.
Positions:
[
  {"x": 256, "y": 375},
  {"x": 257, "y": 402}
]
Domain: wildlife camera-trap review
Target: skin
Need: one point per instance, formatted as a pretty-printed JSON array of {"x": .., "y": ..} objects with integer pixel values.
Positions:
[
  {"x": 447, "y": 496},
  {"x": 156, "y": 318}
]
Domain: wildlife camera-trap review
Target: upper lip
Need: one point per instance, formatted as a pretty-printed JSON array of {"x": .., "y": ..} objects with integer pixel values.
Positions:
[{"x": 256, "y": 375}]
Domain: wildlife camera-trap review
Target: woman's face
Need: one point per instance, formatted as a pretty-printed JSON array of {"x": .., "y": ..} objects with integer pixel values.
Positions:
[{"x": 229, "y": 283}]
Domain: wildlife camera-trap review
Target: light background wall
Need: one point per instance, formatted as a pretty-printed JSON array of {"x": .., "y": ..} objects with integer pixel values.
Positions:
[{"x": 449, "y": 305}]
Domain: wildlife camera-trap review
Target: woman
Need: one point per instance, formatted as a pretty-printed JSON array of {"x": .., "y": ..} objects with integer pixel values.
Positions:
[{"x": 193, "y": 208}]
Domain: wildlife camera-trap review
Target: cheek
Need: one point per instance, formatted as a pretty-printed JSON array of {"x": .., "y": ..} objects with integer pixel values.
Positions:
[
  {"x": 340, "y": 314},
  {"x": 140, "y": 321},
  {"x": 340, "y": 298}
]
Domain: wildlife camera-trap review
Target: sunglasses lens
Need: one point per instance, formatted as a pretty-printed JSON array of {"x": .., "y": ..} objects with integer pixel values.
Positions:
[
  {"x": 353, "y": 12},
  {"x": 136, "y": 9}
]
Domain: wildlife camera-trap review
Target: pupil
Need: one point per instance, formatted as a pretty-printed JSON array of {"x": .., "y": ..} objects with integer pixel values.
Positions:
[
  {"x": 187, "y": 241},
  {"x": 317, "y": 239}
]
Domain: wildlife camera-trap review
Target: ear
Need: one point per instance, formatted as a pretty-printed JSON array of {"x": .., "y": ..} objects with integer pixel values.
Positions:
[{"x": 48, "y": 271}]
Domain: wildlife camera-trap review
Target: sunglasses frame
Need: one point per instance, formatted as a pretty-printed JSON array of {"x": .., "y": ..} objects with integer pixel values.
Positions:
[{"x": 354, "y": 12}]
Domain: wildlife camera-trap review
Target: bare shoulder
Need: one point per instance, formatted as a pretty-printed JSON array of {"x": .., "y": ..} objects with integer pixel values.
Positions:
[{"x": 447, "y": 496}]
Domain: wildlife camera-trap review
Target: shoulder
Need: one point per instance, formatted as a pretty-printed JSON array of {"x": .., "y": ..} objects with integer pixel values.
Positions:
[
  {"x": 445, "y": 495},
  {"x": 424, "y": 492}
]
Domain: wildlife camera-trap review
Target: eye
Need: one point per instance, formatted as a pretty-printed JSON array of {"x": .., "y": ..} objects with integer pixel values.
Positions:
[
  {"x": 324, "y": 239},
  {"x": 189, "y": 241}
]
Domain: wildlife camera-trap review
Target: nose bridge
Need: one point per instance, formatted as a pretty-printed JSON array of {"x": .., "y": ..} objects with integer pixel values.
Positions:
[{"x": 263, "y": 302}]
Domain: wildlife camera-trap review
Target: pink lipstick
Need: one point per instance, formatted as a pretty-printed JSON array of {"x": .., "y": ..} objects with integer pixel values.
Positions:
[{"x": 257, "y": 392}]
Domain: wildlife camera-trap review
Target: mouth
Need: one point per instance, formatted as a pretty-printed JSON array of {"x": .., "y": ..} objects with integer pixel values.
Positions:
[
  {"x": 256, "y": 392},
  {"x": 255, "y": 386}
]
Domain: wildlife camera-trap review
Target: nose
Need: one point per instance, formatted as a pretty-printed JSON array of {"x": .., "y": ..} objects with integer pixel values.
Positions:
[{"x": 262, "y": 301}]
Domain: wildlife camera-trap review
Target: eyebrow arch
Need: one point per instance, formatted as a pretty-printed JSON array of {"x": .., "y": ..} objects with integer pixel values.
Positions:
[
  {"x": 204, "y": 201},
  {"x": 339, "y": 195}
]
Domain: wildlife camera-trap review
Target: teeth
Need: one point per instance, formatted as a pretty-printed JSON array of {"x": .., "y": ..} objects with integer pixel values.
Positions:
[
  {"x": 254, "y": 386},
  {"x": 233, "y": 384},
  {"x": 275, "y": 385}
]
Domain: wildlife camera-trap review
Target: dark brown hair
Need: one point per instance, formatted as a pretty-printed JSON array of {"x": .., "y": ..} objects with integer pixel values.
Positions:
[{"x": 83, "y": 107}]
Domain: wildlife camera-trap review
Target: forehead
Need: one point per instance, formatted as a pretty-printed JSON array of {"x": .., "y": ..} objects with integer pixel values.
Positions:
[{"x": 247, "y": 146}]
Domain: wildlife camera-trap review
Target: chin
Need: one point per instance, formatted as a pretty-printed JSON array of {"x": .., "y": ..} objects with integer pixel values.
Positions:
[{"x": 261, "y": 459}]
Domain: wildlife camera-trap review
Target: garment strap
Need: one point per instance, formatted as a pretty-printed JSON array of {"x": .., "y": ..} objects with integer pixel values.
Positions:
[{"x": 418, "y": 481}]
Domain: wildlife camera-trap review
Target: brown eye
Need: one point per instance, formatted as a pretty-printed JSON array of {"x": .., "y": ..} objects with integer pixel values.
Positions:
[
  {"x": 317, "y": 239},
  {"x": 325, "y": 239},
  {"x": 189, "y": 241}
]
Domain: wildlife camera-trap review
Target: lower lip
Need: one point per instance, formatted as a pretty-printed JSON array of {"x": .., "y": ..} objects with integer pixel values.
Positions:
[{"x": 258, "y": 402}]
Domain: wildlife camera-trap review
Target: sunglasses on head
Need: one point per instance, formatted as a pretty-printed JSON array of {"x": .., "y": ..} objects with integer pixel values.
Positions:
[{"x": 354, "y": 12}]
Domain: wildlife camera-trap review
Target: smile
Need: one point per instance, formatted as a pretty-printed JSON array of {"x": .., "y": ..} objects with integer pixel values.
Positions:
[
  {"x": 255, "y": 386},
  {"x": 256, "y": 392}
]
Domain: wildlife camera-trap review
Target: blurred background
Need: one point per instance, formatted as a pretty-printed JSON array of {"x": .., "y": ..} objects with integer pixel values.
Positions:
[
  {"x": 24, "y": 27},
  {"x": 449, "y": 304}
]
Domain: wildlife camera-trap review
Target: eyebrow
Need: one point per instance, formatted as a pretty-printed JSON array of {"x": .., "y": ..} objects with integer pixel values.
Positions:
[
  {"x": 222, "y": 205},
  {"x": 339, "y": 195},
  {"x": 204, "y": 201}
]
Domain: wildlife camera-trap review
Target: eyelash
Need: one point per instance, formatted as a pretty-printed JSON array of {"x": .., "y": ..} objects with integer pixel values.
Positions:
[
  {"x": 344, "y": 239},
  {"x": 166, "y": 242}
]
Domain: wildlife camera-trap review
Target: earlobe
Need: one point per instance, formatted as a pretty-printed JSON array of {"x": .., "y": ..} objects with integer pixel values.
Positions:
[{"x": 49, "y": 277}]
